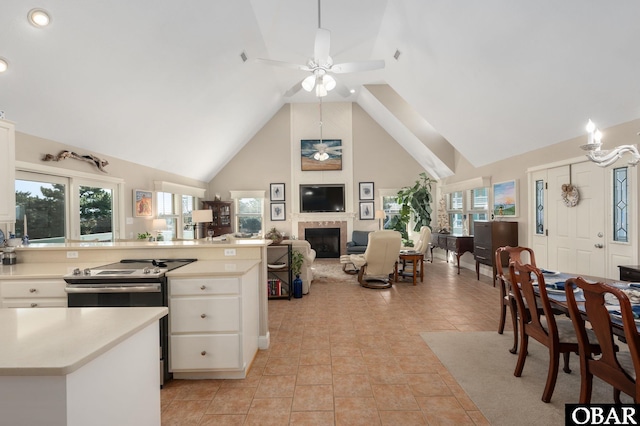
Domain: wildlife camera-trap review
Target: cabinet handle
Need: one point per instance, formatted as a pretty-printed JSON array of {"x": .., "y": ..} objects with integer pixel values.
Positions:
[
  {"x": 203, "y": 287},
  {"x": 203, "y": 353},
  {"x": 203, "y": 315},
  {"x": 33, "y": 290},
  {"x": 33, "y": 305},
  {"x": 480, "y": 247}
]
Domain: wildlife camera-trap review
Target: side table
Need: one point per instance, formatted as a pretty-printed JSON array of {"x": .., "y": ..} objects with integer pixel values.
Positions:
[{"x": 416, "y": 260}]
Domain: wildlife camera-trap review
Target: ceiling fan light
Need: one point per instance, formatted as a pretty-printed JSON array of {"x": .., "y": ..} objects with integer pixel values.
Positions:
[
  {"x": 4, "y": 65},
  {"x": 321, "y": 91},
  {"x": 329, "y": 82},
  {"x": 308, "y": 83}
]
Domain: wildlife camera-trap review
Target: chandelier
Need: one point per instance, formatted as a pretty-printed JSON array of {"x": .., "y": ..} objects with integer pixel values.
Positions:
[{"x": 606, "y": 157}]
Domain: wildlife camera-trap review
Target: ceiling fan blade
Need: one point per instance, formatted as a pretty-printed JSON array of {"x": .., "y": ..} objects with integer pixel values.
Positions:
[
  {"x": 284, "y": 64},
  {"x": 342, "y": 89},
  {"x": 357, "y": 66},
  {"x": 294, "y": 89},
  {"x": 322, "y": 46}
]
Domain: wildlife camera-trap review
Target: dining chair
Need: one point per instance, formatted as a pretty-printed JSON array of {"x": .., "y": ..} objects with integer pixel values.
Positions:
[
  {"x": 558, "y": 335},
  {"x": 507, "y": 299},
  {"x": 618, "y": 368}
]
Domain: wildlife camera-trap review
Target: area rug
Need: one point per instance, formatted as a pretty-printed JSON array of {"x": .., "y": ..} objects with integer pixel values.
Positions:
[{"x": 481, "y": 363}]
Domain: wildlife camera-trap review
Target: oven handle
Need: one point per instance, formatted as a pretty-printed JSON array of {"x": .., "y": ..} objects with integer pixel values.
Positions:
[{"x": 155, "y": 288}]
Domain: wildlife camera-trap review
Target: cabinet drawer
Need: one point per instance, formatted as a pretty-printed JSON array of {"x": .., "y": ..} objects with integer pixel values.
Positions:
[
  {"x": 33, "y": 288},
  {"x": 52, "y": 302},
  {"x": 629, "y": 274},
  {"x": 483, "y": 255},
  {"x": 452, "y": 244},
  {"x": 200, "y": 286},
  {"x": 204, "y": 314},
  {"x": 193, "y": 353}
]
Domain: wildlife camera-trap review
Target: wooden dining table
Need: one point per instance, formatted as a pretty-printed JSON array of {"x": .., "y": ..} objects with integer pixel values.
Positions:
[{"x": 558, "y": 298}]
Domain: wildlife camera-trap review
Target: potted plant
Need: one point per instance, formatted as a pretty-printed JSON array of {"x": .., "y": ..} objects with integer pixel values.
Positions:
[
  {"x": 274, "y": 235},
  {"x": 297, "y": 258},
  {"x": 414, "y": 200}
]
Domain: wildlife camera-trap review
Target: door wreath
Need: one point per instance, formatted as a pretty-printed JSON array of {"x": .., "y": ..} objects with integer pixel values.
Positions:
[{"x": 570, "y": 195}]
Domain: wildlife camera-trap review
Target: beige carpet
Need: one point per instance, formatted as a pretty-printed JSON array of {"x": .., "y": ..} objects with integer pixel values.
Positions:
[{"x": 483, "y": 366}]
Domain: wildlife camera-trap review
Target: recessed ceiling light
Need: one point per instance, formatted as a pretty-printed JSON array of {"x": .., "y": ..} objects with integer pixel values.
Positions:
[
  {"x": 352, "y": 90},
  {"x": 3, "y": 65},
  {"x": 39, "y": 18}
]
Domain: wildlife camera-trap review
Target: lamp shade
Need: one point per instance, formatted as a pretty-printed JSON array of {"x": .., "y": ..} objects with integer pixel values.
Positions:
[
  {"x": 380, "y": 214},
  {"x": 200, "y": 216},
  {"x": 159, "y": 224}
]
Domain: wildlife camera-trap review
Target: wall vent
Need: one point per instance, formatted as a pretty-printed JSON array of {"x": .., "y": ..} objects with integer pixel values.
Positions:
[
  {"x": 397, "y": 54},
  {"x": 243, "y": 56}
]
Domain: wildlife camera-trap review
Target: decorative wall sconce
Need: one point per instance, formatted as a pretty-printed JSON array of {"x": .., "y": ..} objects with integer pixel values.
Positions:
[{"x": 606, "y": 157}]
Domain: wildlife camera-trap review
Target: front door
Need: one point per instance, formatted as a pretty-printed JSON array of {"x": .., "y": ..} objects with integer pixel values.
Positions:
[{"x": 577, "y": 235}]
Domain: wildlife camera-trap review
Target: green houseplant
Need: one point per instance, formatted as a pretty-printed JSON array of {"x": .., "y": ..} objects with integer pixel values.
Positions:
[
  {"x": 296, "y": 266},
  {"x": 297, "y": 259},
  {"x": 414, "y": 200}
]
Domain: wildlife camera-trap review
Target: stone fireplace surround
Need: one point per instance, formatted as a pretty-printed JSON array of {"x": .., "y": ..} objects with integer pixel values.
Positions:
[{"x": 342, "y": 225}]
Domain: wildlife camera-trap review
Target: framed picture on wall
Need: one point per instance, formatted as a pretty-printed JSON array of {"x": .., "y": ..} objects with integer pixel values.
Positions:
[
  {"x": 366, "y": 190},
  {"x": 277, "y": 211},
  {"x": 142, "y": 203},
  {"x": 367, "y": 211},
  {"x": 505, "y": 199},
  {"x": 277, "y": 192},
  {"x": 321, "y": 155}
]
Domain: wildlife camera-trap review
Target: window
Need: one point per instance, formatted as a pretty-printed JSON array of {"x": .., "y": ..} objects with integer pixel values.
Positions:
[
  {"x": 455, "y": 209},
  {"x": 391, "y": 210},
  {"x": 620, "y": 205},
  {"x": 478, "y": 206},
  {"x": 176, "y": 209},
  {"x": 472, "y": 204},
  {"x": 249, "y": 216},
  {"x": 43, "y": 199},
  {"x": 56, "y": 208},
  {"x": 539, "y": 207}
]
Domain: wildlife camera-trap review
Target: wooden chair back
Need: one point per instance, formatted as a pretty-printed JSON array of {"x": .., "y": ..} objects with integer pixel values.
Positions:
[
  {"x": 522, "y": 278},
  {"x": 609, "y": 366}
]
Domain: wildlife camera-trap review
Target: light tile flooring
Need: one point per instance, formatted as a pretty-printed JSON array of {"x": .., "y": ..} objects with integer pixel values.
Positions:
[{"x": 347, "y": 355}]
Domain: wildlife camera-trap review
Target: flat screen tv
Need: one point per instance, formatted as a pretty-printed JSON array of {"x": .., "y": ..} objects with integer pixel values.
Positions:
[{"x": 321, "y": 198}]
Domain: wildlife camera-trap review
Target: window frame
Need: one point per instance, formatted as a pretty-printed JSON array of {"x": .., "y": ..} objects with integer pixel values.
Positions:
[
  {"x": 76, "y": 179},
  {"x": 257, "y": 194}
]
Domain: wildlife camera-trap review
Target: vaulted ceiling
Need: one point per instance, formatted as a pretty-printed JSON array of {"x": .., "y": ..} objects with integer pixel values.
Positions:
[{"x": 157, "y": 81}]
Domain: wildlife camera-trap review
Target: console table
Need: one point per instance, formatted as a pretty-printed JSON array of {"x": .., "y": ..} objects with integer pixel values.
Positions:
[
  {"x": 456, "y": 243},
  {"x": 629, "y": 273}
]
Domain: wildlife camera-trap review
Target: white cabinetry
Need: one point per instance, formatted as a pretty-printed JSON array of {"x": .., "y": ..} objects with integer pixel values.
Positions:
[
  {"x": 7, "y": 172},
  {"x": 213, "y": 323},
  {"x": 33, "y": 293}
]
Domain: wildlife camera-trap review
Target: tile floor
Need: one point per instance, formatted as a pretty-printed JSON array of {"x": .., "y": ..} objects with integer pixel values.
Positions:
[{"x": 346, "y": 355}]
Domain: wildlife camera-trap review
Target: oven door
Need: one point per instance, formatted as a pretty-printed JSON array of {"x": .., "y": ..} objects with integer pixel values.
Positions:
[{"x": 114, "y": 295}]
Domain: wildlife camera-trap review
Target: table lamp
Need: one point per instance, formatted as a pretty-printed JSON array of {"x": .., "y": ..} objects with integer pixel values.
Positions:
[
  {"x": 200, "y": 216},
  {"x": 380, "y": 215}
]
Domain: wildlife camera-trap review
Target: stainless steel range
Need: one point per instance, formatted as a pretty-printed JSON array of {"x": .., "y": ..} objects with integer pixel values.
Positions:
[{"x": 130, "y": 282}]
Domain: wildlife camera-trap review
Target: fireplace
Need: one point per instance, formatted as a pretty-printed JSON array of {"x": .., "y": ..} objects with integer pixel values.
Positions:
[{"x": 325, "y": 241}]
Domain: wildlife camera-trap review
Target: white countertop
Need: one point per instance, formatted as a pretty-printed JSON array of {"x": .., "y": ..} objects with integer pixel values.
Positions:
[
  {"x": 202, "y": 243},
  {"x": 58, "y": 341},
  {"x": 43, "y": 270},
  {"x": 214, "y": 268}
]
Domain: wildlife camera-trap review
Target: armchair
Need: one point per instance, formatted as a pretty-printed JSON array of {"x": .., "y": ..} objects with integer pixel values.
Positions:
[
  {"x": 358, "y": 243},
  {"x": 379, "y": 259}
]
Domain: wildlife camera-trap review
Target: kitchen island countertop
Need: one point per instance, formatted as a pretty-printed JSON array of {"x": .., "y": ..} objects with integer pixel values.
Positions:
[{"x": 58, "y": 341}]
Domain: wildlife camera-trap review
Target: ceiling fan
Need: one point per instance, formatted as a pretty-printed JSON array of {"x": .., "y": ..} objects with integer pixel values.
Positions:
[{"x": 321, "y": 67}]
